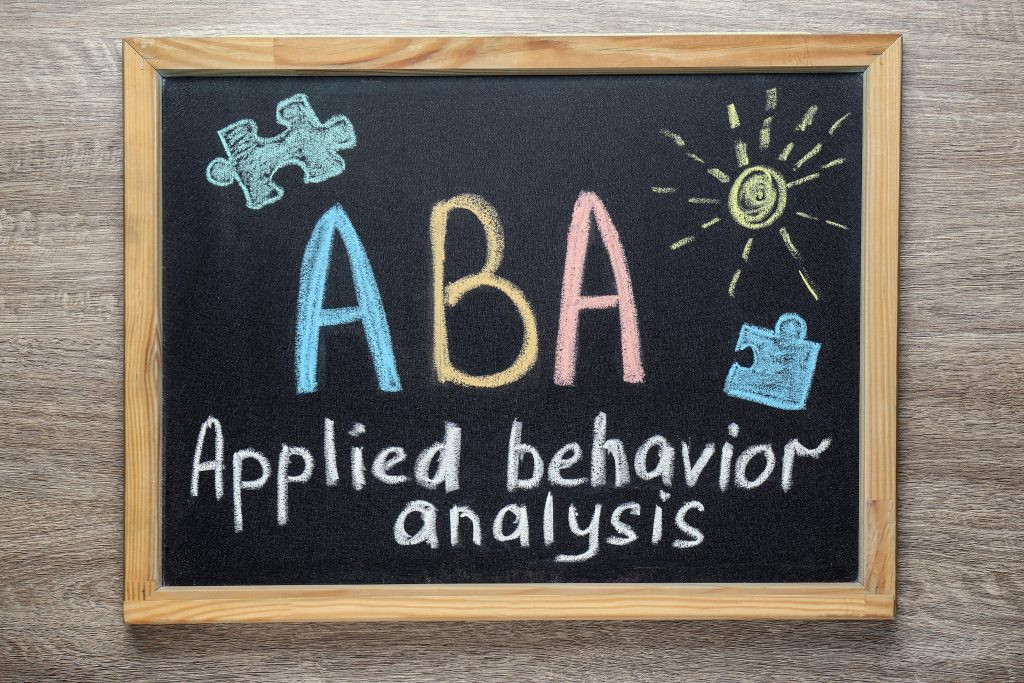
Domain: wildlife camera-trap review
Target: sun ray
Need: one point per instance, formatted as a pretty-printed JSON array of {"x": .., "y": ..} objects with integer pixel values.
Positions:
[
  {"x": 741, "y": 154},
  {"x": 674, "y": 137},
  {"x": 765, "y": 138},
  {"x": 839, "y": 122},
  {"x": 827, "y": 221},
  {"x": 808, "y": 283},
  {"x": 801, "y": 181},
  {"x": 746, "y": 249},
  {"x": 793, "y": 251},
  {"x": 734, "y": 117},
  {"x": 807, "y": 157},
  {"x": 719, "y": 175},
  {"x": 683, "y": 242},
  {"x": 732, "y": 283},
  {"x": 746, "y": 155},
  {"x": 808, "y": 118}
]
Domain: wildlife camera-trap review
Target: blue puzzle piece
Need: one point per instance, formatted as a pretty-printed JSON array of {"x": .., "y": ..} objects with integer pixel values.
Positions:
[
  {"x": 783, "y": 366},
  {"x": 307, "y": 143}
]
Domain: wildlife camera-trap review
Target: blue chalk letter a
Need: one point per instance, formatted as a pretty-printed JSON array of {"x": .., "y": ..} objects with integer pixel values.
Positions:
[{"x": 311, "y": 312}]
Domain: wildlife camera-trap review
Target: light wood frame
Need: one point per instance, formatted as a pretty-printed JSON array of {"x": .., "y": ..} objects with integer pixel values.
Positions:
[{"x": 147, "y": 60}]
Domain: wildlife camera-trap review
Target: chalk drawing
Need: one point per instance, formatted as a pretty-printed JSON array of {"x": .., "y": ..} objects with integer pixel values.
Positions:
[
  {"x": 783, "y": 367},
  {"x": 427, "y": 533},
  {"x": 590, "y": 530},
  {"x": 239, "y": 484},
  {"x": 284, "y": 478},
  {"x": 216, "y": 465},
  {"x": 624, "y": 530},
  {"x": 457, "y": 513},
  {"x": 448, "y": 295},
  {"x": 312, "y": 317},
  {"x": 695, "y": 535},
  {"x": 520, "y": 532},
  {"x": 758, "y": 197},
  {"x": 306, "y": 142},
  {"x": 761, "y": 194},
  {"x": 589, "y": 210}
]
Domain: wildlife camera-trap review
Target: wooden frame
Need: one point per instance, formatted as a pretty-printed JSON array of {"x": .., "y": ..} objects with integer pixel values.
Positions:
[{"x": 147, "y": 60}]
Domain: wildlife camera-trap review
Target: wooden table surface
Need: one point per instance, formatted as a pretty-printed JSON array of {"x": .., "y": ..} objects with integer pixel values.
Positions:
[{"x": 961, "y": 514}]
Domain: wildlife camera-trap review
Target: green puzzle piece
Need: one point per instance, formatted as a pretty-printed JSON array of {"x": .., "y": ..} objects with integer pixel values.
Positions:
[{"x": 307, "y": 143}]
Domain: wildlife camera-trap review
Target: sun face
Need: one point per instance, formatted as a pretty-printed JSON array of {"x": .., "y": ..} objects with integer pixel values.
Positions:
[{"x": 759, "y": 196}]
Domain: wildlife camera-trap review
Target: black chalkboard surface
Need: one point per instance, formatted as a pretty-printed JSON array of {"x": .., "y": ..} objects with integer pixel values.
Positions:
[{"x": 678, "y": 294}]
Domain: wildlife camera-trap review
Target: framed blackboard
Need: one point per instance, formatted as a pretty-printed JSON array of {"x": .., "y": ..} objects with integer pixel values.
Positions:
[{"x": 509, "y": 328}]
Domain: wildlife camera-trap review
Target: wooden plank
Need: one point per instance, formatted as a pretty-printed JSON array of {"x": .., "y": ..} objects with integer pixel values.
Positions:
[
  {"x": 494, "y": 590},
  {"x": 515, "y": 54},
  {"x": 501, "y": 603},
  {"x": 142, "y": 339},
  {"x": 879, "y": 299}
]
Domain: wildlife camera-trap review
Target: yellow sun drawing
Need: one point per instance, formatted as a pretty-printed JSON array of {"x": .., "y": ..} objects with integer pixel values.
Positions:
[{"x": 759, "y": 196}]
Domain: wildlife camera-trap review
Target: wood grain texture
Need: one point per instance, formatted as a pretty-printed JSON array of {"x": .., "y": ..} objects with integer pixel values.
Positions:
[
  {"x": 533, "y": 54},
  {"x": 879, "y": 279},
  {"x": 142, "y": 361},
  {"x": 512, "y": 602},
  {"x": 961, "y": 405}
]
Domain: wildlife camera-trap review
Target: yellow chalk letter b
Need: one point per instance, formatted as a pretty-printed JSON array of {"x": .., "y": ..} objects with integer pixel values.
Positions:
[{"x": 448, "y": 295}]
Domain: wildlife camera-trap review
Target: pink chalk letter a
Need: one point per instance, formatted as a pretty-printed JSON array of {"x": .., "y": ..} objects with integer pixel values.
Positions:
[{"x": 573, "y": 301}]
